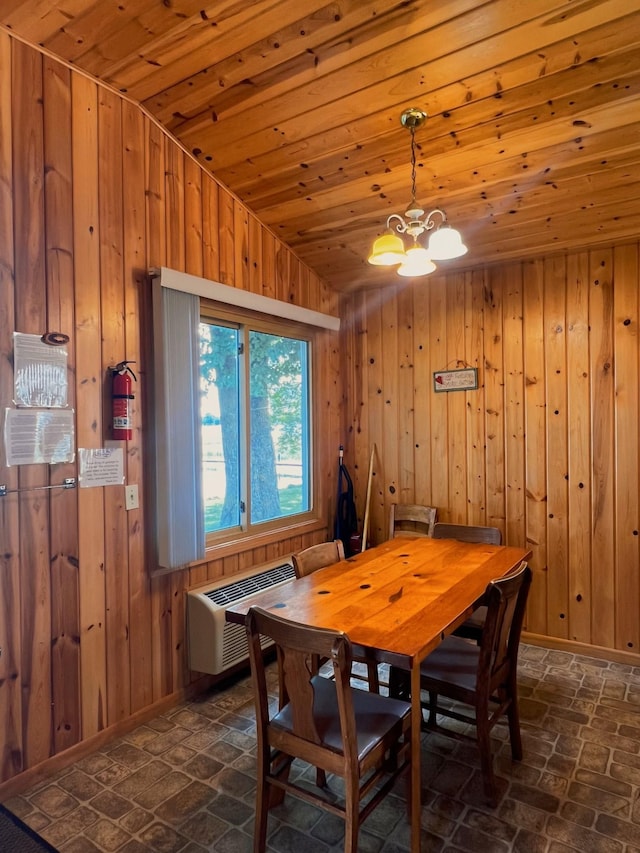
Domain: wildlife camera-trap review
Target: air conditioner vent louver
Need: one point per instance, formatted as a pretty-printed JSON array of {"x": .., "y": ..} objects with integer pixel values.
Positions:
[
  {"x": 216, "y": 645},
  {"x": 225, "y": 595}
]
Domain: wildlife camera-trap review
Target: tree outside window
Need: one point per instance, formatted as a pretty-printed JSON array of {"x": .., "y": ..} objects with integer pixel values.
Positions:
[{"x": 255, "y": 425}]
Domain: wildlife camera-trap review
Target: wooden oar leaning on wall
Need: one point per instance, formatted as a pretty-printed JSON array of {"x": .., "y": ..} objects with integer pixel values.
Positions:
[{"x": 367, "y": 505}]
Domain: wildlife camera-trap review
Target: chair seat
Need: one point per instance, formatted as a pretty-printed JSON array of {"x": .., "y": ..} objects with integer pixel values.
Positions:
[
  {"x": 453, "y": 663},
  {"x": 376, "y": 716},
  {"x": 473, "y": 626}
]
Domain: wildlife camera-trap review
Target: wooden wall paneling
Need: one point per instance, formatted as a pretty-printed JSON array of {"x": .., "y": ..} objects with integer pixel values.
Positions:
[
  {"x": 210, "y": 231},
  {"x": 601, "y": 320},
  {"x": 226, "y": 243},
  {"x": 113, "y": 351},
  {"x": 135, "y": 289},
  {"x": 295, "y": 543},
  {"x": 282, "y": 272},
  {"x": 193, "y": 216},
  {"x": 65, "y": 625},
  {"x": 328, "y": 299},
  {"x": 11, "y": 736},
  {"x": 581, "y": 602},
  {"x": 494, "y": 369},
  {"x": 390, "y": 365},
  {"x": 89, "y": 416},
  {"x": 215, "y": 569},
  {"x": 256, "y": 278},
  {"x": 241, "y": 245},
  {"x": 456, "y": 400},
  {"x": 348, "y": 406},
  {"x": 175, "y": 202},
  {"x": 535, "y": 416},
  {"x": 515, "y": 483},
  {"x": 293, "y": 284},
  {"x": 249, "y": 559},
  {"x": 627, "y": 510},
  {"x": 406, "y": 397},
  {"x": 177, "y": 219},
  {"x": 475, "y": 420},
  {"x": 157, "y": 213},
  {"x": 326, "y": 441},
  {"x": 274, "y": 550},
  {"x": 374, "y": 306},
  {"x": 557, "y": 446},
  {"x": 423, "y": 390},
  {"x": 315, "y": 289},
  {"x": 328, "y": 448},
  {"x": 268, "y": 264},
  {"x": 355, "y": 426},
  {"x": 197, "y": 574},
  {"x": 304, "y": 284},
  {"x": 155, "y": 218},
  {"x": 30, "y": 316},
  {"x": 230, "y": 565},
  {"x": 438, "y": 427}
]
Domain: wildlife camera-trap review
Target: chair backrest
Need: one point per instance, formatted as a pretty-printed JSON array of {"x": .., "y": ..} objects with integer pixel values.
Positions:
[
  {"x": 317, "y": 557},
  {"x": 468, "y": 533},
  {"x": 411, "y": 520},
  {"x": 506, "y": 600},
  {"x": 298, "y": 646}
]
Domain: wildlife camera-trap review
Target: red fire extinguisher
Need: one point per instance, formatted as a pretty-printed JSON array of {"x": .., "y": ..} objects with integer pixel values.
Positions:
[{"x": 121, "y": 396}]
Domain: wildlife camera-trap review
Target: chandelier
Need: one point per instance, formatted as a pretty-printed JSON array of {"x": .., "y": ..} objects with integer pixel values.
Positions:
[{"x": 444, "y": 243}]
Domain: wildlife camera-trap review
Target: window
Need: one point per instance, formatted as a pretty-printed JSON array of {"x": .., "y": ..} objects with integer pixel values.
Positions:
[
  {"x": 266, "y": 391},
  {"x": 255, "y": 424}
]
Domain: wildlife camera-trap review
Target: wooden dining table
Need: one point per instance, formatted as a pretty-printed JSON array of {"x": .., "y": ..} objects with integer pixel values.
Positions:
[{"x": 399, "y": 599}]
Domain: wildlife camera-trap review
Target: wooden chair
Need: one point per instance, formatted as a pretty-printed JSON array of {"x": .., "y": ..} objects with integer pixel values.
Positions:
[
  {"x": 468, "y": 533},
  {"x": 484, "y": 676},
  {"x": 317, "y": 557},
  {"x": 472, "y": 627},
  {"x": 363, "y": 737},
  {"x": 411, "y": 520}
]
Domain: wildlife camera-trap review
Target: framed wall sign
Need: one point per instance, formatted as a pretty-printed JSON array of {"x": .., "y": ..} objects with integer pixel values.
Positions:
[{"x": 464, "y": 379}]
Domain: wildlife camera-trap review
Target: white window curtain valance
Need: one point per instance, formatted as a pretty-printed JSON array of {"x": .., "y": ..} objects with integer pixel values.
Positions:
[{"x": 227, "y": 295}]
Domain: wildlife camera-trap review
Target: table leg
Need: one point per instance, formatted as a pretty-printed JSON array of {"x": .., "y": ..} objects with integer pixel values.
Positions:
[{"x": 416, "y": 733}]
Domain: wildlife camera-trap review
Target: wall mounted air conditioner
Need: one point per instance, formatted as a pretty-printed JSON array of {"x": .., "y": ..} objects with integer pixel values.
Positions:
[{"x": 215, "y": 645}]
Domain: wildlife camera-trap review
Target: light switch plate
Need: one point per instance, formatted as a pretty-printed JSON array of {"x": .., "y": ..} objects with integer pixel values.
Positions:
[{"x": 131, "y": 496}]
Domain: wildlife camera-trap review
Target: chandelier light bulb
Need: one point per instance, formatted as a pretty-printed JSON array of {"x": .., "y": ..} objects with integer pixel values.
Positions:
[
  {"x": 417, "y": 262},
  {"x": 446, "y": 243}
]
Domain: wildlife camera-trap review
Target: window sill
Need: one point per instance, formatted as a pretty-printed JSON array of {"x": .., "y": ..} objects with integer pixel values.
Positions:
[{"x": 259, "y": 540}]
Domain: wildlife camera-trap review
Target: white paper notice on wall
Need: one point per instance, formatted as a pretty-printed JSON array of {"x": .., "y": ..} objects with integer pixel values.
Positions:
[
  {"x": 39, "y": 372},
  {"x": 32, "y": 436},
  {"x": 101, "y": 467}
]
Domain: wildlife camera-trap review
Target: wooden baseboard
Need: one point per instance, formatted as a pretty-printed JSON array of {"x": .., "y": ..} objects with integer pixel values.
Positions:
[{"x": 559, "y": 644}]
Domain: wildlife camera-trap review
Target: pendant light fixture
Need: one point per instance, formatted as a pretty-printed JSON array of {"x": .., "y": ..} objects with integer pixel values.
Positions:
[{"x": 444, "y": 243}]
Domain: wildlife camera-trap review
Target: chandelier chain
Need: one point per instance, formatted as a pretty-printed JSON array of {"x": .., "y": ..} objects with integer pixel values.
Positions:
[{"x": 413, "y": 167}]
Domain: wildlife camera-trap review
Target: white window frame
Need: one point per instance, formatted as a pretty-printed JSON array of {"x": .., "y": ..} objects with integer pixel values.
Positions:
[{"x": 246, "y": 323}]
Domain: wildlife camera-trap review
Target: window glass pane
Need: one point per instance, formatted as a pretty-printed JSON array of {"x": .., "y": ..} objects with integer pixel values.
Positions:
[
  {"x": 220, "y": 410},
  {"x": 279, "y": 426}
]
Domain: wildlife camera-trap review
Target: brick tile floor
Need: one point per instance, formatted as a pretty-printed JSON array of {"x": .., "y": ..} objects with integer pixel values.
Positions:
[{"x": 184, "y": 782}]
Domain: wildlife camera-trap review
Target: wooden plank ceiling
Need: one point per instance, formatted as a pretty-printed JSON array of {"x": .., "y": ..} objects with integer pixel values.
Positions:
[{"x": 531, "y": 146}]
